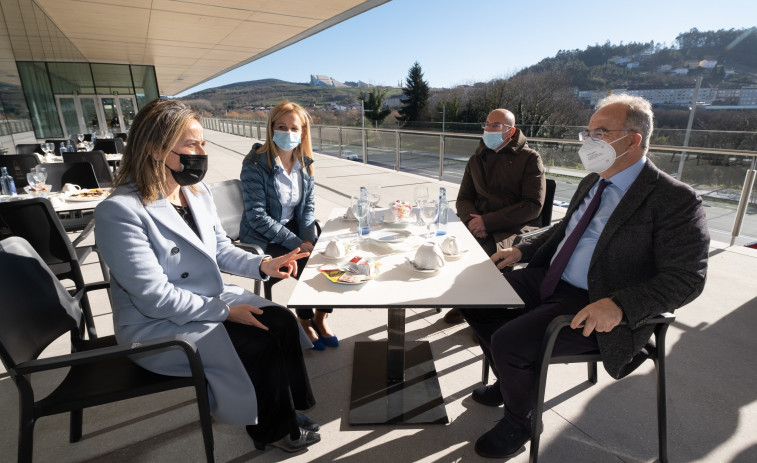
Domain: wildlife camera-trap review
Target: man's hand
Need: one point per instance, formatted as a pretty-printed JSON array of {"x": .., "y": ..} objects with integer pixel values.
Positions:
[
  {"x": 601, "y": 316},
  {"x": 244, "y": 314},
  {"x": 283, "y": 266},
  {"x": 307, "y": 246},
  {"x": 476, "y": 226},
  {"x": 506, "y": 257}
]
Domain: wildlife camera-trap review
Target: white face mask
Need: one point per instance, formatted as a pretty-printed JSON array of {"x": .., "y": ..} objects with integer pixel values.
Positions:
[
  {"x": 598, "y": 155},
  {"x": 492, "y": 139}
]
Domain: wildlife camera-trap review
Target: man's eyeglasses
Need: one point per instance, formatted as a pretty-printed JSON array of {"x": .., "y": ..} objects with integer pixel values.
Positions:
[
  {"x": 598, "y": 134},
  {"x": 495, "y": 125}
]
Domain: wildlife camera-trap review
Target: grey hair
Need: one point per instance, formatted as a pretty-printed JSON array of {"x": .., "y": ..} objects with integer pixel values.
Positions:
[{"x": 639, "y": 115}]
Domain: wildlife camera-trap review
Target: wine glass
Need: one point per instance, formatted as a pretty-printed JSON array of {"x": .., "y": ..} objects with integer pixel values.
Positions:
[
  {"x": 360, "y": 209},
  {"x": 428, "y": 212},
  {"x": 374, "y": 196},
  {"x": 420, "y": 194},
  {"x": 80, "y": 137},
  {"x": 40, "y": 175}
]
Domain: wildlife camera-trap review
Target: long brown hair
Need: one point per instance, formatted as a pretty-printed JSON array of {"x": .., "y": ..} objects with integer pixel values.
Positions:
[
  {"x": 154, "y": 132},
  {"x": 304, "y": 149}
]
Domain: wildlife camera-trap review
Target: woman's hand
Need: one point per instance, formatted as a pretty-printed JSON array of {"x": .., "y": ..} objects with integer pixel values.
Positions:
[
  {"x": 244, "y": 314},
  {"x": 283, "y": 266},
  {"x": 307, "y": 246}
]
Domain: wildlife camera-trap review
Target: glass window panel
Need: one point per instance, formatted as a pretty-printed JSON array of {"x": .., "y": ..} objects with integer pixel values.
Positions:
[
  {"x": 112, "y": 79},
  {"x": 145, "y": 84},
  {"x": 71, "y": 78},
  {"x": 127, "y": 112},
  {"x": 68, "y": 111},
  {"x": 111, "y": 114},
  {"x": 39, "y": 97},
  {"x": 89, "y": 113}
]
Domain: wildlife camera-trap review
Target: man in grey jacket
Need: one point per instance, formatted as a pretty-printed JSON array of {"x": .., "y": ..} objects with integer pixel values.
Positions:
[{"x": 633, "y": 244}]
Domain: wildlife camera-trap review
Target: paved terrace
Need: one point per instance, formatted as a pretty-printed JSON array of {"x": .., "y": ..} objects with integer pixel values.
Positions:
[{"x": 711, "y": 377}]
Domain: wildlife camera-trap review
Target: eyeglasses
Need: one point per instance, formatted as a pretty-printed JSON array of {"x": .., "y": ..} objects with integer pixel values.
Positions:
[
  {"x": 598, "y": 134},
  {"x": 495, "y": 125}
]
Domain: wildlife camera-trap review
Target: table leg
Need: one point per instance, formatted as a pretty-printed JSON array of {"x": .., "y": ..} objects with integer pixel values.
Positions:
[{"x": 395, "y": 348}]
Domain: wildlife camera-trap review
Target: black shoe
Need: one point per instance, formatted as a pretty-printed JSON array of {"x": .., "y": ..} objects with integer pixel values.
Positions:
[
  {"x": 306, "y": 423},
  {"x": 504, "y": 440},
  {"x": 454, "y": 317},
  {"x": 491, "y": 396},
  {"x": 290, "y": 445}
]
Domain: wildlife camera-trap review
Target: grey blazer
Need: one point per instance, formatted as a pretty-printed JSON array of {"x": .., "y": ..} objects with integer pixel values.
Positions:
[
  {"x": 652, "y": 256},
  {"x": 166, "y": 280}
]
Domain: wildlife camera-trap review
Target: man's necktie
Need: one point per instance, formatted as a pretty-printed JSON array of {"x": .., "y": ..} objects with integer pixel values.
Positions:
[{"x": 554, "y": 274}]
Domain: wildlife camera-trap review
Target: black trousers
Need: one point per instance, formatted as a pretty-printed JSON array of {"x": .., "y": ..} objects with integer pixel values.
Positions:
[
  {"x": 276, "y": 250},
  {"x": 511, "y": 338},
  {"x": 273, "y": 360}
]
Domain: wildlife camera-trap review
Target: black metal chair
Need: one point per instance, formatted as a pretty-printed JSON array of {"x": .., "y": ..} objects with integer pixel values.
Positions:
[
  {"x": 29, "y": 148},
  {"x": 99, "y": 164},
  {"x": 18, "y": 166},
  {"x": 109, "y": 145},
  {"x": 35, "y": 220},
  {"x": 654, "y": 350},
  {"x": 77, "y": 173},
  {"x": 36, "y": 310}
]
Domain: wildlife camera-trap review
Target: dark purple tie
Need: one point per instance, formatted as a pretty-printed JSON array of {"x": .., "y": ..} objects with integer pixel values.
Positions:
[{"x": 554, "y": 274}]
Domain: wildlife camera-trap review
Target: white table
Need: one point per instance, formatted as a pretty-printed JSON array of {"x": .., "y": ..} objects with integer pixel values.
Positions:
[{"x": 394, "y": 382}]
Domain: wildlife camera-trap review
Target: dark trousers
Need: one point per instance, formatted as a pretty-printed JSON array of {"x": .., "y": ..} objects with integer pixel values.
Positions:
[
  {"x": 273, "y": 360},
  {"x": 511, "y": 338},
  {"x": 276, "y": 250}
]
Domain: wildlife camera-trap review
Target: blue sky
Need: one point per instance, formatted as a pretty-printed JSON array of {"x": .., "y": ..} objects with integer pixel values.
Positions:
[{"x": 458, "y": 42}]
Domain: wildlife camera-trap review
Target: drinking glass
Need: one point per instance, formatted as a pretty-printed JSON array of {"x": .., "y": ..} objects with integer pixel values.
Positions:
[
  {"x": 80, "y": 137},
  {"x": 361, "y": 210},
  {"x": 374, "y": 196},
  {"x": 428, "y": 212},
  {"x": 420, "y": 194},
  {"x": 40, "y": 174}
]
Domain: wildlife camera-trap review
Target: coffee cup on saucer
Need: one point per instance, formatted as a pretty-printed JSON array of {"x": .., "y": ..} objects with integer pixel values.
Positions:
[
  {"x": 70, "y": 188},
  {"x": 429, "y": 257},
  {"x": 449, "y": 246}
]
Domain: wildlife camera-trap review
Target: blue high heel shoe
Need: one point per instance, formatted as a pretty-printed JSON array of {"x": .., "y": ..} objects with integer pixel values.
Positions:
[{"x": 333, "y": 341}]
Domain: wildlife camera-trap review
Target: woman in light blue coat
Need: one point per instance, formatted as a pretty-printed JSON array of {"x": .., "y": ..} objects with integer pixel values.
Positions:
[
  {"x": 160, "y": 235},
  {"x": 279, "y": 200}
]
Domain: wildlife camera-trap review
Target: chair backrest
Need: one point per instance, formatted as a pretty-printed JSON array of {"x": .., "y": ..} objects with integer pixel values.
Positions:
[
  {"x": 78, "y": 173},
  {"x": 98, "y": 161},
  {"x": 121, "y": 135},
  {"x": 29, "y": 148},
  {"x": 227, "y": 196},
  {"x": 36, "y": 308},
  {"x": 549, "y": 197},
  {"x": 35, "y": 220},
  {"x": 109, "y": 145},
  {"x": 18, "y": 166}
]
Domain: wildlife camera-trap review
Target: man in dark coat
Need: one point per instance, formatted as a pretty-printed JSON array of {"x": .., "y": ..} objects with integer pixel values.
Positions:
[
  {"x": 503, "y": 187},
  {"x": 643, "y": 252}
]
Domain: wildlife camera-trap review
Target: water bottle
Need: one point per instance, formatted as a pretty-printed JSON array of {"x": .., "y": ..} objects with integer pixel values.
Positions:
[
  {"x": 366, "y": 229},
  {"x": 69, "y": 147},
  {"x": 8, "y": 185},
  {"x": 62, "y": 148},
  {"x": 441, "y": 221}
]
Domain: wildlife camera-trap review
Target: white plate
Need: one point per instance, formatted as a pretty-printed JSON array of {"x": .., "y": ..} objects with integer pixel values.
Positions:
[
  {"x": 411, "y": 265},
  {"x": 460, "y": 254},
  {"x": 74, "y": 198},
  {"x": 330, "y": 257},
  {"x": 397, "y": 236},
  {"x": 389, "y": 220}
]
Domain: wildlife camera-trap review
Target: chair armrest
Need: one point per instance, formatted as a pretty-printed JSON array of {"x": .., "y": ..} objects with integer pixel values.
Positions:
[
  {"x": 85, "y": 233},
  {"x": 253, "y": 248},
  {"x": 531, "y": 234},
  {"x": 121, "y": 350}
]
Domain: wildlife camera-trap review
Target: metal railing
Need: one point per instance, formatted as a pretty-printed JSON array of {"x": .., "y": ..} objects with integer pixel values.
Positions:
[{"x": 723, "y": 177}]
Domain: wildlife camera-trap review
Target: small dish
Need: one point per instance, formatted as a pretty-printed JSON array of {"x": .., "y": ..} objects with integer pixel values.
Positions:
[
  {"x": 390, "y": 221},
  {"x": 411, "y": 265},
  {"x": 390, "y": 236},
  {"x": 460, "y": 254}
]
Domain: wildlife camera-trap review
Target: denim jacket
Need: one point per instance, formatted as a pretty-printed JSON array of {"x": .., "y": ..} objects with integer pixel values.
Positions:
[{"x": 262, "y": 208}]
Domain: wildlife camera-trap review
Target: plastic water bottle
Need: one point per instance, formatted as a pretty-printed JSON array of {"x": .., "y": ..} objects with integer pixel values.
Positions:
[
  {"x": 62, "y": 148},
  {"x": 441, "y": 221},
  {"x": 8, "y": 185},
  {"x": 69, "y": 147},
  {"x": 366, "y": 229}
]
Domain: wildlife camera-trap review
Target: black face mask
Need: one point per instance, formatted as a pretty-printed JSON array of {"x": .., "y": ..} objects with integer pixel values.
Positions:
[{"x": 193, "y": 168}]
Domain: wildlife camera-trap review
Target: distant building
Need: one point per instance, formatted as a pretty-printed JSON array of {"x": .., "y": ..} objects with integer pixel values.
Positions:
[
  {"x": 707, "y": 64},
  {"x": 325, "y": 81},
  {"x": 748, "y": 96}
]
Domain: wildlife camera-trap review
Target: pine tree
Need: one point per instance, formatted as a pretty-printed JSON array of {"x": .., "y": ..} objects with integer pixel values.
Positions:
[
  {"x": 372, "y": 103},
  {"x": 416, "y": 95}
]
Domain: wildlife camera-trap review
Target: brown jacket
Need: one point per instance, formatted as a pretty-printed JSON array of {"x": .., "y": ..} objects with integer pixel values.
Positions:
[{"x": 506, "y": 188}]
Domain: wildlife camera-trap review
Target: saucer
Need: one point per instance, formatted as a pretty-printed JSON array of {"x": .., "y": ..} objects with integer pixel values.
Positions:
[
  {"x": 461, "y": 253},
  {"x": 390, "y": 236},
  {"x": 411, "y": 265}
]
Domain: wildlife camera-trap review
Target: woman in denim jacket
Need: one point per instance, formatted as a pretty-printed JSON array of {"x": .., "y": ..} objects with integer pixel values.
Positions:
[{"x": 279, "y": 200}]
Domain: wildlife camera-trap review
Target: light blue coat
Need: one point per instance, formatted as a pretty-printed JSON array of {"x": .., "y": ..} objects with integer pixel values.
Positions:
[{"x": 165, "y": 280}]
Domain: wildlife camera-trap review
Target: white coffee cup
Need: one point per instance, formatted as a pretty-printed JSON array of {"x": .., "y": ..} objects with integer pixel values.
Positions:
[
  {"x": 335, "y": 249},
  {"x": 429, "y": 256},
  {"x": 70, "y": 188},
  {"x": 449, "y": 246}
]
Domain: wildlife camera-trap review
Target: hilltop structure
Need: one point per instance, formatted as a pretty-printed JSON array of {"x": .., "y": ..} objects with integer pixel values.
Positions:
[{"x": 325, "y": 81}]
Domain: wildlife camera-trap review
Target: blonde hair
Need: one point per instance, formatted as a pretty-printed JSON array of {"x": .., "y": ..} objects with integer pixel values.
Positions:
[
  {"x": 304, "y": 149},
  {"x": 154, "y": 132}
]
